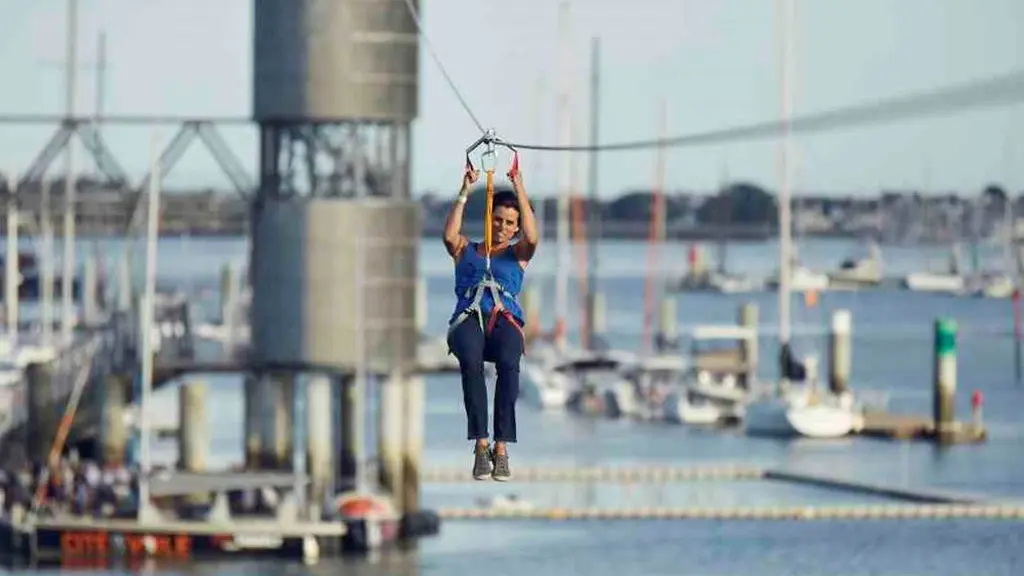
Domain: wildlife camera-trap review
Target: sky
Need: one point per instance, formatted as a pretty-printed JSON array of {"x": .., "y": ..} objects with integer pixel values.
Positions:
[{"x": 710, "y": 63}]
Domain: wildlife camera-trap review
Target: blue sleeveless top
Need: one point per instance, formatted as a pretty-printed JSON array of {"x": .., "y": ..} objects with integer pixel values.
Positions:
[{"x": 505, "y": 269}]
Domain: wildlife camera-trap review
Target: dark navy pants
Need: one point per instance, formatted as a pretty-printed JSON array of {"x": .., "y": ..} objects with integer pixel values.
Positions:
[{"x": 502, "y": 346}]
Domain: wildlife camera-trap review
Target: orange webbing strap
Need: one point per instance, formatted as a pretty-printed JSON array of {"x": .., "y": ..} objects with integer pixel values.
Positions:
[{"x": 489, "y": 217}]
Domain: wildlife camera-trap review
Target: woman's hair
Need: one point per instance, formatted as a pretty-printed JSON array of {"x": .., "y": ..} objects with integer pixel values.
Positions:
[{"x": 508, "y": 200}]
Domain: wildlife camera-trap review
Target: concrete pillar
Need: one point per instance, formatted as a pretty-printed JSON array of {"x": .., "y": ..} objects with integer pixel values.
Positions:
[
  {"x": 253, "y": 397},
  {"x": 840, "y": 351},
  {"x": 945, "y": 379},
  {"x": 415, "y": 414},
  {"x": 748, "y": 318},
  {"x": 391, "y": 435},
  {"x": 348, "y": 449},
  {"x": 668, "y": 333},
  {"x": 90, "y": 292},
  {"x": 319, "y": 453},
  {"x": 114, "y": 436},
  {"x": 43, "y": 417},
  {"x": 277, "y": 436},
  {"x": 193, "y": 430}
]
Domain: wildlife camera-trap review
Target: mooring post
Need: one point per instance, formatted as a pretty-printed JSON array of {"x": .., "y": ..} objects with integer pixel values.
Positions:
[
  {"x": 748, "y": 318},
  {"x": 253, "y": 397},
  {"x": 348, "y": 449},
  {"x": 193, "y": 429},
  {"x": 668, "y": 333},
  {"x": 319, "y": 458},
  {"x": 228, "y": 289},
  {"x": 840, "y": 351},
  {"x": 390, "y": 436},
  {"x": 596, "y": 313},
  {"x": 124, "y": 285},
  {"x": 421, "y": 305},
  {"x": 945, "y": 379},
  {"x": 415, "y": 413},
  {"x": 90, "y": 291},
  {"x": 114, "y": 435},
  {"x": 277, "y": 437}
]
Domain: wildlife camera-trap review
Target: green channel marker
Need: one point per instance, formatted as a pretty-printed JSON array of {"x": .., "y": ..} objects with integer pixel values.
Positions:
[{"x": 945, "y": 336}]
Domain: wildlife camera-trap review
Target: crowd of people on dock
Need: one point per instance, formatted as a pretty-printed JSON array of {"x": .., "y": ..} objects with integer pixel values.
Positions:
[{"x": 74, "y": 486}]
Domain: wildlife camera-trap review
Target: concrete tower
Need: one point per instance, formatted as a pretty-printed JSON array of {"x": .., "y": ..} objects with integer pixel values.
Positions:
[
  {"x": 334, "y": 93},
  {"x": 334, "y": 231}
]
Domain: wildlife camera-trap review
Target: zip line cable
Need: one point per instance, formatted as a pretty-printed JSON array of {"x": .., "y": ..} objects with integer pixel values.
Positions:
[
  {"x": 1003, "y": 90},
  {"x": 1000, "y": 91},
  {"x": 437, "y": 60}
]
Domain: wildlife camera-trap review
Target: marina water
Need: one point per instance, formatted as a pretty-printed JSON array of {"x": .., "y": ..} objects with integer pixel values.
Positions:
[{"x": 892, "y": 352}]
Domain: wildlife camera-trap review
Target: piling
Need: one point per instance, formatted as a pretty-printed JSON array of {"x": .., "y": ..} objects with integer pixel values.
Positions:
[
  {"x": 228, "y": 289},
  {"x": 391, "y": 436},
  {"x": 596, "y": 313},
  {"x": 43, "y": 417},
  {"x": 748, "y": 318},
  {"x": 668, "y": 333},
  {"x": 412, "y": 447},
  {"x": 277, "y": 436},
  {"x": 348, "y": 449},
  {"x": 193, "y": 430},
  {"x": 90, "y": 292},
  {"x": 319, "y": 458},
  {"x": 945, "y": 380},
  {"x": 840, "y": 351},
  {"x": 114, "y": 435},
  {"x": 124, "y": 285},
  {"x": 421, "y": 305},
  {"x": 253, "y": 398}
]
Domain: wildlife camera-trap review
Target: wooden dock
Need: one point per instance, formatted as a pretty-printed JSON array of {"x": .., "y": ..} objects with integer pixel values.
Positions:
[{"x": 911, "y": 427}]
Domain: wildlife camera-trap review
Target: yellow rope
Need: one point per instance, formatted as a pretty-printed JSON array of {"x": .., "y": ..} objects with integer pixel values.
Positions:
[{"x": 489, "y": 217}]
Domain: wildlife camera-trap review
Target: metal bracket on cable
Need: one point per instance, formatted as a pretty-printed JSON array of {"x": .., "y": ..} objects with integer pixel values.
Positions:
[{"x": 491, "y": 140}]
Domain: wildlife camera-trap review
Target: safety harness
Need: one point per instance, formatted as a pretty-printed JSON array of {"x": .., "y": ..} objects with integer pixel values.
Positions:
[{"x": 488, "y": 284}]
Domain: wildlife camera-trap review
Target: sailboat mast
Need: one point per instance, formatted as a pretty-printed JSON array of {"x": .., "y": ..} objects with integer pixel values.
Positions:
[
  {"x": 785, "y": 20},
  {"x": 725, "y": 221},
  {"x": 565, "y": 117},
  {"x": 593, "y": 210},
  {"x": 657, "y": 234},
  {"x": 538, "y": 176}
]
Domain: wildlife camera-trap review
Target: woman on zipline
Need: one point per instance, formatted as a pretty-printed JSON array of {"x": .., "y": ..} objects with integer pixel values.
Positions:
[{"x": 487, "y": 324}]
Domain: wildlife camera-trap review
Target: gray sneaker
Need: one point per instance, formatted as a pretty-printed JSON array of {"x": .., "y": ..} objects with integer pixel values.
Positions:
[
  {"x": 502, "y": 472},
  {"x": 482, "y": 463}
]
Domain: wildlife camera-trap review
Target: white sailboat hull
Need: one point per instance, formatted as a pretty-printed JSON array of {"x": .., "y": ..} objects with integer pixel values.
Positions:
[
  {"x": 931, "y": 282},
  {"x": 780, "y": 417}
]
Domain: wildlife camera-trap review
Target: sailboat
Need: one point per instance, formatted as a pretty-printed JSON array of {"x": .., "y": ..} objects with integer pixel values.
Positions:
[
  {"x": 551, "y": 379},
  {"x": 951, "y": 282},
  {"x": 796, "y": 410},
  {"x": 999, "y": 283},
  {"x": 859, "y": 273}
]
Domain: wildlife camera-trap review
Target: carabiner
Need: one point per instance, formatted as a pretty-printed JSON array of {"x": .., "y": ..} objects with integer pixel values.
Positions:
[{"x": 489, "y": 159}]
